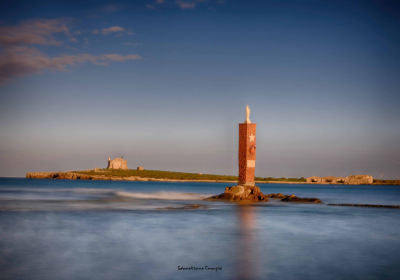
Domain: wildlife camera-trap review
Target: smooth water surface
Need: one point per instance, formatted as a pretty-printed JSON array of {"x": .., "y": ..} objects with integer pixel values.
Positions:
[{"x": 72, "y": 229}]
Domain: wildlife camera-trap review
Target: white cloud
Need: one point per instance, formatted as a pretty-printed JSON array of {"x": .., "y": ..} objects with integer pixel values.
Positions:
[
  {"x": 151, "y": 7},
  {"x": 159, "y": 1},
  {"x": 95, "y": 31},
  {"x": 186, "y": 5},
  {"x": 77, "y": 32},
  {"x": 106, "y": 31},
  {"x": 132, "y": 44}
]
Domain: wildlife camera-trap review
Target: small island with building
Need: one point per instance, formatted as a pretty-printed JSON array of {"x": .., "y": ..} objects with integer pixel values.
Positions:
[{"x": 117, "y": 170}]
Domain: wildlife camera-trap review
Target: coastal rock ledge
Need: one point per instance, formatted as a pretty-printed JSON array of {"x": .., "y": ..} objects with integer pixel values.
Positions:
[
  {"x": 78, "y": 176},
  {"x": 254, "y": 194}
]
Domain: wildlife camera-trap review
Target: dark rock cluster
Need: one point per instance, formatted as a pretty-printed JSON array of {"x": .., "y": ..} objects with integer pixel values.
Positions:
[
  {"x": 278, "y": 195},
  {"x": 293, "y": 198},
  {"x": 253, "y": 194}
]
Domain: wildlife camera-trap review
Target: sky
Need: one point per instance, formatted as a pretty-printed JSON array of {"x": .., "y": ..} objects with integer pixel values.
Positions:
[{"x": 165, "y": 84}]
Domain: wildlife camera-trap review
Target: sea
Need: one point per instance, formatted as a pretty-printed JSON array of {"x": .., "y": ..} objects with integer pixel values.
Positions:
[{"x": 78, "y": 229}]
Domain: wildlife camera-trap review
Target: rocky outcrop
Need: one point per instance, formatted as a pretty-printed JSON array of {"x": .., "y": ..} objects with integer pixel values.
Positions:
[
  {"x": 79, "y": 176},
  {"x": 58, "y": 175},
  {"x": 241, "y": 193},
  {"x": 278, "y": 195},
  {"x": 293, "y": 198},
  {"x": 40, "y": 175},
  {"x": 386, "y": 182},
  {"x": 76, "y": 176},
  {"x": 253, "y": 194}
]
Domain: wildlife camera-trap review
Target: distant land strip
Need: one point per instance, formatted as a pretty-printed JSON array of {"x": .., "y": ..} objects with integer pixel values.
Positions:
[
  {"x": 367, "y": 205},
  {"x": 150, "y": 175},
  {"x": 169, "y": 176}
]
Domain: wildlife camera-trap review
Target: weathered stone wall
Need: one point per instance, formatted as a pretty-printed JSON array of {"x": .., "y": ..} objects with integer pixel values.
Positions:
[
  {"x": 352, "y": 180},
  {"x": 359, "y": 179}
]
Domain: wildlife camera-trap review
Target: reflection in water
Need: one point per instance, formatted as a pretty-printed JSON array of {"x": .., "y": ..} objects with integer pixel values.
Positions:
[{"x": 247, "y": 256}]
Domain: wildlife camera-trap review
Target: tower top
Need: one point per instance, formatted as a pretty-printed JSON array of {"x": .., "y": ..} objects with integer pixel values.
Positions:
[{"x": 247, "y": 115}]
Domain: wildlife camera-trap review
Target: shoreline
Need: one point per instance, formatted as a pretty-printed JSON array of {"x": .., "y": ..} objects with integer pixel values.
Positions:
[{"x": 78, "y": 176}]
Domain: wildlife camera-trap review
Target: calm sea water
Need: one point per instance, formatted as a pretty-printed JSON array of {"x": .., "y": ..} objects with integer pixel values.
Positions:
[{"x": 71, "y": 229}]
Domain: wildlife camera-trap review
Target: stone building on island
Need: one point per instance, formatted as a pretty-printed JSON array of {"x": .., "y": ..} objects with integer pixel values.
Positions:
[
  {"x": 118, "y": 163},
  {"x": 351, "y": 180},
  {"x": 359, "y": 179}
]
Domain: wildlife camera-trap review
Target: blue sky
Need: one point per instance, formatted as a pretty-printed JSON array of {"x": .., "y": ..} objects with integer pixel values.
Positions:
[{"x": 165, "y": 84}]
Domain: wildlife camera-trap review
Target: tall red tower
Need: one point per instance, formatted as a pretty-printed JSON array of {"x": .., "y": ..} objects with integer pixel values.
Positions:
[{"x": 247, "y": 151}]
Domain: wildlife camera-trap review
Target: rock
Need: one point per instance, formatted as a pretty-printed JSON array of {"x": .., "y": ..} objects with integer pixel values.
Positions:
[
  {"x": 235, "y": 190},
  {"x": 293, "y": 198},
  {"x": 254, "y": 194},
  {"x": 142, "y": 179},
  {"x": 278, "y": 195},
  {"x": 186, "y": 207},
  {"x": 40, "y": 175},
  {"x": 223, "y": 196},
  {"x": 241, "y": 193}
]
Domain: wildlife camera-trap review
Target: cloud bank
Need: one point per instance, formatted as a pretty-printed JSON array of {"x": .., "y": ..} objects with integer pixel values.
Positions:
[
  {"x": 20, "y": 61},
  {"x": 39, "y": 32},
  {"x": 18, "y": 58}
]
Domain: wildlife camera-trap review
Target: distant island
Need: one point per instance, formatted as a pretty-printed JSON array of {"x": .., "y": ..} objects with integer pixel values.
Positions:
[
  {"x": 117, "y": 170},
  {"x": 150, "y": 175},
  {"x": 169, "y": 176}
]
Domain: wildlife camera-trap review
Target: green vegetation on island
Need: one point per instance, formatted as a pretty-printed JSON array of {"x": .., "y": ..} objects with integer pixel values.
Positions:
[
  {"x": 283, "y": 179},
  {"x": 157, "y": 174}
]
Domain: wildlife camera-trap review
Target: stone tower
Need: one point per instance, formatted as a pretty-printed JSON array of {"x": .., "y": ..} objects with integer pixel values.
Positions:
[{"x": 247, "y": 151}]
